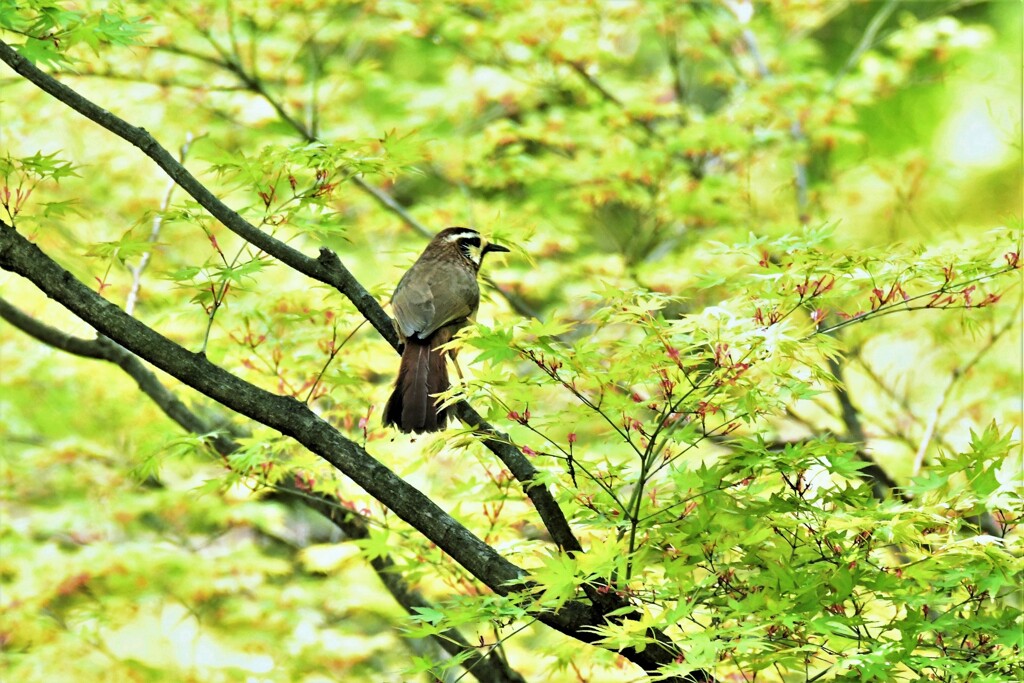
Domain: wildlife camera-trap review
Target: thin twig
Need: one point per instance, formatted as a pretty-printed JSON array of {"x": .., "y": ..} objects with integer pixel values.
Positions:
[
  {"x": 154, "y": 233},
  {"x": 904, "y": 304},
  {"x": 958, "y": 373},
  {"x": 160, "y": 82},
  {"x": 929, "y": 432},
  {"x": 335, "y": 349}
]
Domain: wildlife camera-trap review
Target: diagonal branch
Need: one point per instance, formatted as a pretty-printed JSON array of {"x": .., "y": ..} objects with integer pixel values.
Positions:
[
  {"x": 292, "y": 418},
  {"x": 251, "y": 82},
  {"x": 283, "y": 413},
  {"x": 327, "y": 269},
  {"x": 490, "y": 668}
]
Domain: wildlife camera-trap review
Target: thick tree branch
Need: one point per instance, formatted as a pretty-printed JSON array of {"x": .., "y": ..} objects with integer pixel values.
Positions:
[
  {"x": 881, "y": 482},
  {"x": 49, "y": 335},
  {"x": 294, "y": 419},
  {"x": 283, "y": 413},
  {"x": 327, "y": 269},
  {"x": 490, "y": 667},
  {"x": 487, "y": 669}
]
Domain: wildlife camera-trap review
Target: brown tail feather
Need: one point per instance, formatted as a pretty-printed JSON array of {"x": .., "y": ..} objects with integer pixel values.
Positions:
[{"x": 422, "y": 373}]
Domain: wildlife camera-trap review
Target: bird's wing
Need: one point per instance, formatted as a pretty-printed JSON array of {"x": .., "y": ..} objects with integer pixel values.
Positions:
[
  {"x": 455, "y": 297},
  {"x": 414, "y": 308},
  {"x": 437, "y": 298}
]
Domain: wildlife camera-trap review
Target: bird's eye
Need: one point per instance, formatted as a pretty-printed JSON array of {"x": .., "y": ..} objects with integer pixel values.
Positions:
[{"x": 471, "y": 250}]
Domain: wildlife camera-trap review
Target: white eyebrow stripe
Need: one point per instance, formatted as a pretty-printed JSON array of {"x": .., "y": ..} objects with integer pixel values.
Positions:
[{"x": 468, "y": 234}]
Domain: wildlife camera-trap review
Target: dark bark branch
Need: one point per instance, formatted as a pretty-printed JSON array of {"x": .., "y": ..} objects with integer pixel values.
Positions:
[
  {"x": 490, "y": 667},
  {"x": 327, "y": 269},
  {"x": 850, "y": 415},
  {"x": 874, "y": 474},
  {"x": 287, "y": 415},
  {"x": 292, "y": 418},
  {"x": 487, "y": 669},
  {"x": 253, "y": 83},
  {"x": 49, "y": 335}
]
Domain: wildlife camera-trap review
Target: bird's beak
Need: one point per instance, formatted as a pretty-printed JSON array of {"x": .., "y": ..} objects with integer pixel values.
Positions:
[{"x": 490, "y": 246}]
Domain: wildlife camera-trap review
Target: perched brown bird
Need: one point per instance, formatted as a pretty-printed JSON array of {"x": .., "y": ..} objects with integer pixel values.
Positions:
[{"x": 436, "y": 297}]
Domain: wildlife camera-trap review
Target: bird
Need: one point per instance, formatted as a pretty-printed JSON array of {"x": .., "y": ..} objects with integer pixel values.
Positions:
[{"x": 437, "y": 296}]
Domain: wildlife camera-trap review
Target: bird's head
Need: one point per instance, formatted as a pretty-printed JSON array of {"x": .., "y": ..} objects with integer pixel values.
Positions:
[{"x": 469, "y": 243}]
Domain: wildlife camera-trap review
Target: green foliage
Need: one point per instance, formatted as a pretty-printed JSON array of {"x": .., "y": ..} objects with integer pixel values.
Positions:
[
  {"x": 22, "y": 175},
  {"x": 767, "y": 267},
  {"x": 765, "y": 554},
  {"x": 49, "y": 30}
]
